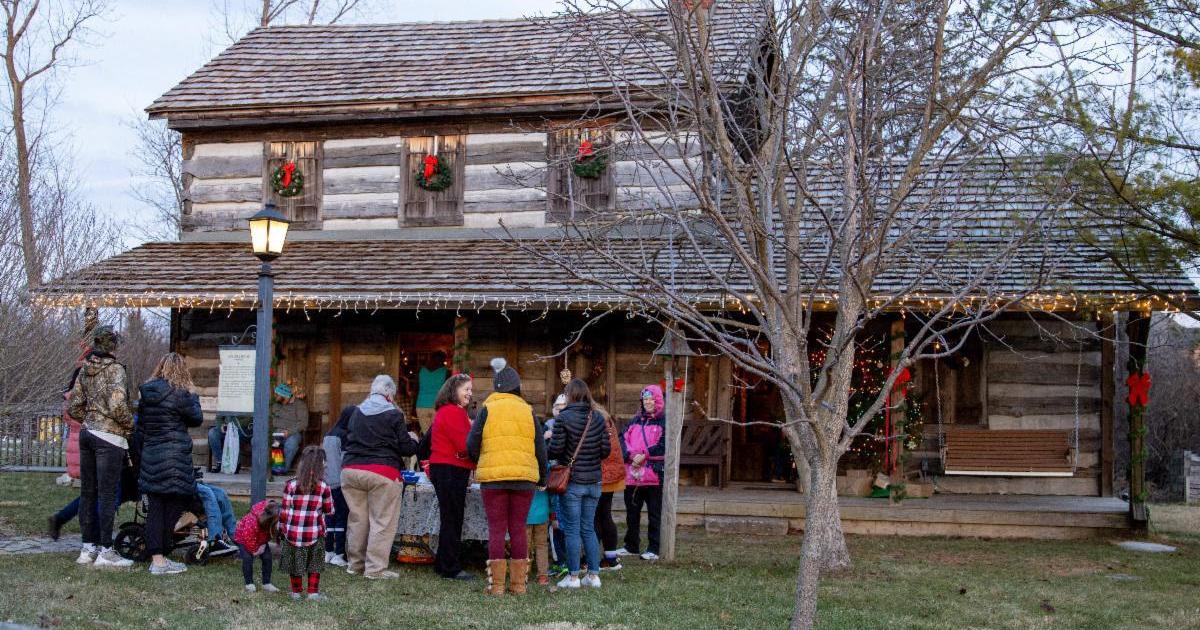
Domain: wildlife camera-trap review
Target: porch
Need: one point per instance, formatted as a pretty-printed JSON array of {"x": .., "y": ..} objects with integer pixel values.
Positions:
[{"x": 770, "y": 509}]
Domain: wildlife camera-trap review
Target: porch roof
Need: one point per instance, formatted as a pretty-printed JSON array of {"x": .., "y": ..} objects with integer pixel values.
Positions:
[{"x": 490, "y": 272}]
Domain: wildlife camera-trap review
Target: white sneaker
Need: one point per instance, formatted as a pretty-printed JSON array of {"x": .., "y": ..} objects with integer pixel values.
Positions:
[
  {"x": 329, "y": 557},
  {"x": 110, "y": 558},
  {"x": 590, "y": 580},
  {"x": 269, "y": 588},
  {"x": 650, "y": 556},
  {"x": 63, "y": 480},
  {"x": 250, "y": 588},
  {"x": 624, "y": 552},
  {"x": 87, "y": 555},
  {"x": 570, "y": 581},
  {"x": 338, "y": 560}
]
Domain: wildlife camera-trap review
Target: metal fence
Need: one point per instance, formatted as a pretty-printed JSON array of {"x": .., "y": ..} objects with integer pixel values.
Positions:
[{"x": 33, "y": 441}]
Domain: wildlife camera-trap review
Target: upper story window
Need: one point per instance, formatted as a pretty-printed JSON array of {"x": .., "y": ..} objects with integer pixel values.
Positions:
[
  {"x": 576, "y": 194},
  {"x": 298, "y": 164},
  {"x": 424, "y": 207}
]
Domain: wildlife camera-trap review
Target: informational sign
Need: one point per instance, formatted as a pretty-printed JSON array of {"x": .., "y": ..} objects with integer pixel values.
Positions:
[{"x": 235, "y": 383}]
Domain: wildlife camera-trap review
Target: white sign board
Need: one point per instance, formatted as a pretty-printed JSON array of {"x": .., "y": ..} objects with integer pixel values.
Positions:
[{"x": 235, "y": 383}]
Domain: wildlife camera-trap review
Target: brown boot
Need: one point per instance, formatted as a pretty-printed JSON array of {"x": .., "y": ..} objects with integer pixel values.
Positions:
[
  {"x": 496, "y": 572},
  {"x": 518, "y": 576}
]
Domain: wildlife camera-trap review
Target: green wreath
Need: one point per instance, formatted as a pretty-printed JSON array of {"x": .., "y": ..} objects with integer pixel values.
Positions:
[
  {"x": 591, "y": 166},
  {"x": 295, "y": 184},
  {"x": 441, "y": 179}
]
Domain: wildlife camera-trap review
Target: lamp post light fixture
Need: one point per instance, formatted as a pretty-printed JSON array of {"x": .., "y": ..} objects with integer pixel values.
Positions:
[
  {"x": 268, "y": 231},
  {"x": 674, "y": 345}
]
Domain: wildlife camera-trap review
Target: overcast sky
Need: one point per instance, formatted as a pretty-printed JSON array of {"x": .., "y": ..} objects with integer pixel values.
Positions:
[{"x": 147, "y": 46}]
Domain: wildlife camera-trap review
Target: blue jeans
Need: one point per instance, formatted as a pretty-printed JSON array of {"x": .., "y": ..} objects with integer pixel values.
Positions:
[
  {"x": 578, "y": 520},
  {"x": 216, "y": 439},
  {"x": 335, "y": 525},
  {"x": 291, "y": 446},
  {"x": 218, "y": 511}
]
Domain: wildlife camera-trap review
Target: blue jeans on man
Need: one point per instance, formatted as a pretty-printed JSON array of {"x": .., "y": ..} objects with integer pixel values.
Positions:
[
  {"x": 217, "y": 510},
  {"x": 216, "y": 443},
  {"x": 577, "y": 516}
]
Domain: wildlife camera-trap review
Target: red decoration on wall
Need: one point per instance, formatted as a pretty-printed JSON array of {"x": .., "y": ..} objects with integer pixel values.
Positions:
[
  {"x": 585, "y": 150},
  {"x": 431, "y": 163},
  {"x": 662, "y": 384},
  {"x": 1139, "y": 389},
  {"x": 706, "y": 4},
  {"x": 288, "y": 169}
]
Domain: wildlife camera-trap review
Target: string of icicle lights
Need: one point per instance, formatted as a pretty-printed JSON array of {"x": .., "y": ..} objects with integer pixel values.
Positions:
[{"x": 291, "y": 301}]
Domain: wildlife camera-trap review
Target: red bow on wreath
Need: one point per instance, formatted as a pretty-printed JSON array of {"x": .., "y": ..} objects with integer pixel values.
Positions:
[
  {"x": 288, "y": 169},
  {"x": 662, "y": 384},
  {"x": 1139, "y": 389},
  {"x": 585, "y": 150},
  {"x": 688, "y": 4},
  {"x": 902, "y": 381},
  {"x": 430, "y": 165}
]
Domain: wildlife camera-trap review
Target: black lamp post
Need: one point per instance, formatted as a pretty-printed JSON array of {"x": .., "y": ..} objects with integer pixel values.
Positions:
[{"x": 268, "y": 230}]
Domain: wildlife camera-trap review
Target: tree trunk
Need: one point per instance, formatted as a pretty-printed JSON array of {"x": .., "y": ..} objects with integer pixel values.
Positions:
[
  {"x": 29, "y": 252},
  {"x": 824, "y": 547}
]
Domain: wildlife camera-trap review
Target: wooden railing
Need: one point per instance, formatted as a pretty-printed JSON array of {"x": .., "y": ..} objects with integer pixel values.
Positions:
[{"x": 34, "y": 440}]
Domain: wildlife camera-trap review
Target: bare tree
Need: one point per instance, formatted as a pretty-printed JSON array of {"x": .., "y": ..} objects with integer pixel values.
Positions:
[
  {"x": 38, "y": 40},
  {"x": 158, "y": 177},
  {"x": 237, "y": 17},
  {"x": 802, "y": 170}
]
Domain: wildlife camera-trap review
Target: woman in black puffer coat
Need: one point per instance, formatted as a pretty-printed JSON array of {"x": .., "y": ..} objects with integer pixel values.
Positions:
[
  {"x": 167, "y": 408},
  {"x": 577, "y": 508}
]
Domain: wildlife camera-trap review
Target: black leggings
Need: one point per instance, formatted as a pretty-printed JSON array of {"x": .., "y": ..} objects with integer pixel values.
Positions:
[
  {"x": 606, "y": 529},
  {"x": 247, "y": 557},
  {"x": 162, "y": 513}
]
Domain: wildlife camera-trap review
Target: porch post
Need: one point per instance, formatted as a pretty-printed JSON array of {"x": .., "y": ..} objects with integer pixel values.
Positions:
[
  {"x": 670, "y": 500},
  {"x": 1108, "y": 394},
  {"x": 1138, "y": 329}
]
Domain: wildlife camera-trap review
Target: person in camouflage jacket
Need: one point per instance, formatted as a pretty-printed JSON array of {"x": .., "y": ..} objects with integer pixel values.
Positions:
[{"x": 100, "y": 399}]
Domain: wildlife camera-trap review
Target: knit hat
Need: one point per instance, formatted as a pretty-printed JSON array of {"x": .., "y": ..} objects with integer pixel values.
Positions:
[
  {"x": 105, "y": 339},
  {"x": 506, "y": 381}
]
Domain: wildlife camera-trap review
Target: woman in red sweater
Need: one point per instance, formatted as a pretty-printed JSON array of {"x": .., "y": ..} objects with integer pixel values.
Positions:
[{"x": 450, "y": 470}]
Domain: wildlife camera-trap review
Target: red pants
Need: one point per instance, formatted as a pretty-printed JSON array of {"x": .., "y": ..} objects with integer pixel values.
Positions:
[{"x": 506, "y": 512}]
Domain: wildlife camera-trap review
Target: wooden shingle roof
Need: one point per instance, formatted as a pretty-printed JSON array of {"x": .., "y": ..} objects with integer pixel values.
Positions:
[
  {"x": 290, "y": 66},
  {"x": 495, "y": 273}
]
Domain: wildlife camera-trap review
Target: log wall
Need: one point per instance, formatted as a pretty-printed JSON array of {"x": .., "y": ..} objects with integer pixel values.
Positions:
[
  {"x": 1044, "y": 375},
  {"x": 363, "y": 179}
]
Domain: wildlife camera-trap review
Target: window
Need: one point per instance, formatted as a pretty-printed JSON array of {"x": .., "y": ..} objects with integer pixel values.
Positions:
[
  {"x": 304, "y": 208},
  {"x": 428, "y": 208},
  {"x": 575, "y": 198}
]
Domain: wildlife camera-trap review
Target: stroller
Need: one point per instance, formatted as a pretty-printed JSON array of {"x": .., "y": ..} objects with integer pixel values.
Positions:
[{"x": 190, "y": 534}]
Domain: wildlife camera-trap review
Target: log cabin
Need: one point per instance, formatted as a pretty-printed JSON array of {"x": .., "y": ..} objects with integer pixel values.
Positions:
[{"x": 380, "y": 274}]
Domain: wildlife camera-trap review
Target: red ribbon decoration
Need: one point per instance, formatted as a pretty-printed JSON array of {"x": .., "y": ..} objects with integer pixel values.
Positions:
[
  {"x": 288, "y": 169},
  {"x": 1139, "y": 389},
  {"x": 662, "y": 384},
  {"x": 688, "y": 4},
  {"x": 430, "y": 165},
  {"x": 585, "y": 150}
]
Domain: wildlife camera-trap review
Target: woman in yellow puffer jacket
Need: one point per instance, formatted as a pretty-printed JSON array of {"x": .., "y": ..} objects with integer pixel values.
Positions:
[{"x": 507, "y": 444}]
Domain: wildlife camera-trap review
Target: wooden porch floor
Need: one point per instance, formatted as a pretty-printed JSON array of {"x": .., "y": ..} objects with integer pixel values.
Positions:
[{"x": 760, "y": 509}]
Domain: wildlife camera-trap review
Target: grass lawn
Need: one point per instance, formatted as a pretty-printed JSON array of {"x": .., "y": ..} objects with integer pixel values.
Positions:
[{"x": 720, "y": 582}]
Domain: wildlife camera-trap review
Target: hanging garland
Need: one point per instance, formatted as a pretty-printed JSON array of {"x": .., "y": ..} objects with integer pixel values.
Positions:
[
  {"x": 589, "y": 164},
  {"x": 287, "y": 180},
  {"x": 435, "y": 176}
]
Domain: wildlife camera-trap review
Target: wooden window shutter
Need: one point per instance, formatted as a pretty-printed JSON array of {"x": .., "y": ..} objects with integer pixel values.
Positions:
[
  {"x": 574, "y": 198},
  {"x": 425, "y": 208},
  {"x": 304, "y": 209}
]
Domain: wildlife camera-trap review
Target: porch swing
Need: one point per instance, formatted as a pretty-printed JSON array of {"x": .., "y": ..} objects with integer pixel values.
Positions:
[{"x": 1009, "y": 452}]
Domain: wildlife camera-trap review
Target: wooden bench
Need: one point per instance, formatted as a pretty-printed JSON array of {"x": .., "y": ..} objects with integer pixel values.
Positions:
[
  {"x": 703, "y": 444},
  {"x": 1008, "y": 453}
]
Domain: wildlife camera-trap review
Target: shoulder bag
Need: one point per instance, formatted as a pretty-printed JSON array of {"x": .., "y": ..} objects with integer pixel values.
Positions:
[{"x": 560, "y": 474}]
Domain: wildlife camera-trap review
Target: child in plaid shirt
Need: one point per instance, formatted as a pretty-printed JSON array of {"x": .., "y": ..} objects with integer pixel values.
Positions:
[{"x": 307, "y": 500}]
